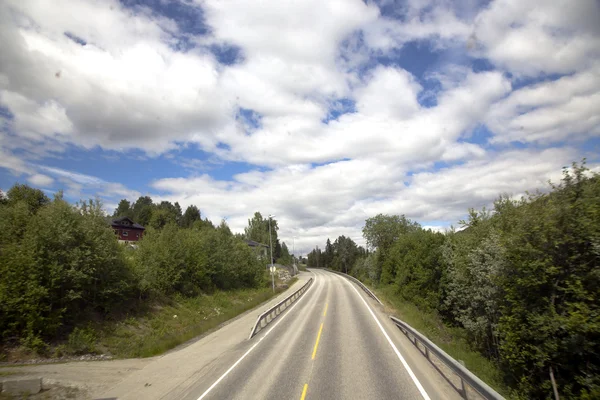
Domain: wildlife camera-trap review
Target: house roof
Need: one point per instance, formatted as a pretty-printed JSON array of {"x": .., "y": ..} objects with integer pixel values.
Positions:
[
  {"x": 252, "y": 243},
  {"x": 126, "y": 222}
]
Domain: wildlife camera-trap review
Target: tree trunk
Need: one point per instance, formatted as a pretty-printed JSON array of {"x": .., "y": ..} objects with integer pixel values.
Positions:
[{"x": 554, "y": 388}]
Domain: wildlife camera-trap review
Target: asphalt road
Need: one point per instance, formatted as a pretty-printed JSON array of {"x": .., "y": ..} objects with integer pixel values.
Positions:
[{"x": 334, "y": 344}]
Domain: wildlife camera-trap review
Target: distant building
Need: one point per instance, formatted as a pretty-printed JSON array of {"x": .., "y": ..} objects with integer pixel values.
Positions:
[
  {"x": 262, "y": 249},
  {"x": 127, "y": 230}
]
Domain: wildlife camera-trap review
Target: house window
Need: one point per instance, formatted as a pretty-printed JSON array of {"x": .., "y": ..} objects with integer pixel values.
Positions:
[
  {"x": 125, "y": 233},
  {"x": 137, "y": 235}
]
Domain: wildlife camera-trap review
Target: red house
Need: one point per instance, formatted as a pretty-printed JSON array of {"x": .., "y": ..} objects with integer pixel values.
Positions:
[{"x": 127, "y": 230}]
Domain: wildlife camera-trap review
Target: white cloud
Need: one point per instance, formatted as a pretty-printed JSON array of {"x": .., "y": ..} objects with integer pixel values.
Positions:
[
  {"x": 438, "y": 23},
  {"x": 529, "y": 37},
  {"x": 335, "y": 199},
  {"x": 40, "y": 180},
  {"x": 388, "y": 122},
  {"x": 548, "y": 112},
  {"x": 77, "y": 185},
  {"x": 391, "y": 93},
  {"x": 126, "y": 88}
]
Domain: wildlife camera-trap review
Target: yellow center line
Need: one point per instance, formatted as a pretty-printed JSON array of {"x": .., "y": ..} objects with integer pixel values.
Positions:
[
  {"x": 325, "y": 312},
  {"x": 317, "y": 343},
  {"x": 304, "y": 391}
]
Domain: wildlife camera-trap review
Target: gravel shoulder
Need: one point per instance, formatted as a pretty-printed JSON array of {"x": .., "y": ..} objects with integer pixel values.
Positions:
[{"x": 88, "y": 378}]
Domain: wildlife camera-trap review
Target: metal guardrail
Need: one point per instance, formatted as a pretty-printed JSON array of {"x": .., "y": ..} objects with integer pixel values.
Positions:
[
  {"x": 359, "y": 283},
  {"x": 268, "y": 316},
  {"x": 463, "y": 373}
]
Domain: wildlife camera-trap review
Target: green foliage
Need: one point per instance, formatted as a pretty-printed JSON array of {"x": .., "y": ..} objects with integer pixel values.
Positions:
[
  {"x": 191, "y": 215},
  {"x": 162, "y": 217},
  {"x": 550, "y": 317},
  {"x": 258, "y": 230},
  {"x": 340, "y": 256},
  {"x": 314, "y": 259},
  {"x": 475, "y": 261},
  {"x": 153, "y": 332},
  {"x": 414, "y": 265},
  {"x": 285, "y": 258},
  {"x": 142, "y": 210},
  {"x": 33, "y": 198},
  {"x": 188, "y": 261},
  {"x": 62, "y": 265},
  {"x": 123, "y": 210},
  {"x": 82, "y": 341},
  {"x": 381, "y": 231},
  {"x": 56, "y": 265}
]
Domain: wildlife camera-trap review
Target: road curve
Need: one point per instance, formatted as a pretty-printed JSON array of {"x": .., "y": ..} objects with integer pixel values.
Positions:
[{"x": 334, "y": 343}]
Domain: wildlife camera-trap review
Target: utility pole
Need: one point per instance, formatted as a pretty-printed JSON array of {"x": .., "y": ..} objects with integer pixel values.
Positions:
[{"x": 271, "y": 248}]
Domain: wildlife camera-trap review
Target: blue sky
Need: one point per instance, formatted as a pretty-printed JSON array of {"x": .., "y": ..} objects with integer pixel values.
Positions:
[{"x": 323, "y": 113}]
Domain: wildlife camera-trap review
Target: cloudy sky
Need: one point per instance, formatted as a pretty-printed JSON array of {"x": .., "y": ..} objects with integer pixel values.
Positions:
[{"x": 323, "y": 113}]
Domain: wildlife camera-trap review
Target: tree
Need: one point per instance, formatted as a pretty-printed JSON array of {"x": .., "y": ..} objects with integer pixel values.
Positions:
[
  {"x": 33, "y": 198},
  {"x": 381, "y": 231},
  {"x": 65, "y": 264},
  {"x": 123, "y": 209},
  {"x": 344, "y": 250},
  {"x": 314, "y": 258},
  {"x": 191, "y": 215},
  {"x": 161, "y": 217},
  {"x": 285, "y": 258},
  {"x": 258, "y": 230},
  {"x": 550, "y": 316},
  {"x": 328, "y": 254},
  {"x": 277, "y": 249},
  {"x": 178, "y": 213},
  {"x": 142, "y": 210}
]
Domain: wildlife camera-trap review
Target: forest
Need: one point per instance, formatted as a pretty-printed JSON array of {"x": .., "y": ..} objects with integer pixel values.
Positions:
[
  {"x": 61, "y": 265},
  {"x": 522, "y": 279}
]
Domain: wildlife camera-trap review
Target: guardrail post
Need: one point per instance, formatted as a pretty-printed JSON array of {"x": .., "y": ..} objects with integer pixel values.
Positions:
[{"x": 462, "y": 383}]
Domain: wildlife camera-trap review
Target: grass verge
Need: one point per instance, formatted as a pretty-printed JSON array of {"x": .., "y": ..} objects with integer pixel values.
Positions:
[
  {"x": 6, "y": 373},
  {"x": 172, "y": 322},
  {"x": 452, "y": 340},
  {"x": 148, "y": 327}
]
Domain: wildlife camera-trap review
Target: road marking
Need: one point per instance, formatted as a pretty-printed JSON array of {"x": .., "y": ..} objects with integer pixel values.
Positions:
[
  {"x": 402, "y": 360},
  {"x": 325, "y": 312},
  {"x": 257, "y": 343},
  {"x": 317, "y": 343},
  {"x": 304, "y": 391}
]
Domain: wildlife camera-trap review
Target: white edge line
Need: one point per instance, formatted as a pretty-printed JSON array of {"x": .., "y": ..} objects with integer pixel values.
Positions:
[
  {"x": 256, "y": 344},
  {"x": 402, "y": 360}
]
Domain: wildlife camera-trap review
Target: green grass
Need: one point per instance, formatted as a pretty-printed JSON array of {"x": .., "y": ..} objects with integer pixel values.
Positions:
[
  {"x": 452, "y": 340},
  {"x": 171, "y": 322},
  {"x": 6, "y": 373},
  {"x": 150, "y": 327}
]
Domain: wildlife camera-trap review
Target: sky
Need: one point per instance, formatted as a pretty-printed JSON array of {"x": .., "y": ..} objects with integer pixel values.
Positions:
[{"x": 321, "y": 112}]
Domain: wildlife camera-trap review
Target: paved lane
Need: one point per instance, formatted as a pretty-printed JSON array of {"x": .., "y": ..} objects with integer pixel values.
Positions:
[{"x": 333, "y": 344}]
